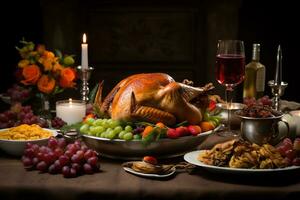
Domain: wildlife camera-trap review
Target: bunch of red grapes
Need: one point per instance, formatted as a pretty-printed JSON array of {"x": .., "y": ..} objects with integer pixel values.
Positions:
[
  {"x": 19, "y": 114},
  {"x": 70, "y": 160},
  {"x": 17, "y": 93},
  {"x": 290, "y": 150},
  {"x": 265, "y": 101}
]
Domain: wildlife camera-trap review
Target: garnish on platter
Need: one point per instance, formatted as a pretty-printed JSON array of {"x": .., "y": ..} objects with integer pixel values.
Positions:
[{"x": 150, "y": 167}]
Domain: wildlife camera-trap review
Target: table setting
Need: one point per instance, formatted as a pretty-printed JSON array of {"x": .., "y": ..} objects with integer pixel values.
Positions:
[{"x": 149, "y": 127}]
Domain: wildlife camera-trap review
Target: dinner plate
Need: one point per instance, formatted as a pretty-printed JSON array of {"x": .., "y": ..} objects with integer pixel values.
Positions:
[
  {"x": 191, "y": 157},
  {"x": 172, "y": 171}
]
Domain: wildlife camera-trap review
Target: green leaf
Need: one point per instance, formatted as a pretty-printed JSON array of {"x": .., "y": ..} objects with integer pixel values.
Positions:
[
  {"x": 67, "y": 128},
  {"x": 93, "y": 93},
  {"x": 58, "y": 53},
  {"x": 144, "y": 124},
  {"x": 184, "y": 123}
]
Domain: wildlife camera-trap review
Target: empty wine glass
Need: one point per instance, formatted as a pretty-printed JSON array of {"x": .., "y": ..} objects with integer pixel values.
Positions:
[{"x": 230, "y": 71}]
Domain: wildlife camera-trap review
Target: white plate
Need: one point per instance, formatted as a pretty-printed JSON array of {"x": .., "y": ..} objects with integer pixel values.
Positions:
[
  {"x": 16, "y": 147},
  {"x": 191, "y": 157},
  {"x": 128, "y": 169}
]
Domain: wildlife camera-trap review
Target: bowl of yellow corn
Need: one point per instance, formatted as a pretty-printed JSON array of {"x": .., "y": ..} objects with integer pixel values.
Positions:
[{"x": 13, "y": 140}]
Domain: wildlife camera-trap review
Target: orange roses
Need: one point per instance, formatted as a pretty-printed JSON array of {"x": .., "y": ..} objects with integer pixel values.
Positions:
[
  {"x": 45, "y": 70},
  {"x": 67, "y": 76},
  {"x": 31, "y": 74},
  {"x": 46, "y": 84}
]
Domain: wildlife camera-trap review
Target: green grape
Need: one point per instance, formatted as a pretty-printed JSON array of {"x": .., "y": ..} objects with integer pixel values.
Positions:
[
  {"x": 118, "y": 129},
  {"x": 103, "y": 134},
  {"x": 128, "y": 128},
  {"x": 137, "y": 137},
  {"x": 96, "y": 129},
  {"x": 105, "y": 124},
  {"x": 99, "y": 134},
  {"x": 109, "y": 129},
  {"x": 121, "y": 134},
  {"x": 111, "y": 134},
  {"x": 128, "y": 136},
  {"x": 84, "y": 128},
  {"x": 97, "y": 122},
  {"x": 114, "y": 123}
]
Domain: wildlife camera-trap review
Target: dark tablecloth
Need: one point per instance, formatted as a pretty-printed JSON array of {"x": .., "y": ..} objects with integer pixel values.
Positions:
[{"x": 114, "y": 183}]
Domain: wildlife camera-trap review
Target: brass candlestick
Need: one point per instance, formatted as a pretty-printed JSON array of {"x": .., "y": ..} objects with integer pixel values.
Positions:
[
  {"x": 277, "y": 91},
  {"x": 84, "y": 75}
]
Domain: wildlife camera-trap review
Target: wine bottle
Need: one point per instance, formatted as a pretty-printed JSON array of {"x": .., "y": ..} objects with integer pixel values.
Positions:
[{"x": 255, "y": 75}]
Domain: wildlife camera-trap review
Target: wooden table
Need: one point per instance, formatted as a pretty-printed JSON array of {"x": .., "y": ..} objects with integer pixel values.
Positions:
[{"x": 114, "y": 183}]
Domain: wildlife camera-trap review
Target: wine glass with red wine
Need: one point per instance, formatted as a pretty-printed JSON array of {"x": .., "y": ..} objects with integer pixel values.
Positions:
[{"x": 230, "y": 71}]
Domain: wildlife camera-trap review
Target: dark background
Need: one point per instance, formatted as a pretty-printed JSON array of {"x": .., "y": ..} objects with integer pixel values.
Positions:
[{"x": 176, "y": 37}]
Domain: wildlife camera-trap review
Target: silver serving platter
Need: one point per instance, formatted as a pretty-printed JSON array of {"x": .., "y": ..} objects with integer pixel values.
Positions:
[{"x": 135, "y": 149}]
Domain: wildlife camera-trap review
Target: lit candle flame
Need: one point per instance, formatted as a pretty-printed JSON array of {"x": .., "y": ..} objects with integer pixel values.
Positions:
[
  {"x": 70, "y": 102},
  {"x": 84, "y": 38}
]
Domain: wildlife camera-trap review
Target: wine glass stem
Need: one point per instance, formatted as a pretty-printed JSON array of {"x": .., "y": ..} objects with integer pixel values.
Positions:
[{"x": 228, "y": 99}]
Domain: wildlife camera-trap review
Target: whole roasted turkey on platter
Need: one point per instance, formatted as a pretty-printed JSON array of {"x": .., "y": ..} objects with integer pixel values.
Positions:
[{"x": 154, "y": 97}]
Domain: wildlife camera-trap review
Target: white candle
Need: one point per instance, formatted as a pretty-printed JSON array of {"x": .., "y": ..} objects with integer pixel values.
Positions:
[
  {"x": 278, "y": 72},
  {"x": 84, "y": 53},
  {"x": 71, "y": 111}
]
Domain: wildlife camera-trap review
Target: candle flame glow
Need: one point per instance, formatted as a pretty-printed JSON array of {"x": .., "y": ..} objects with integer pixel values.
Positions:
[{"x": 84, "y": 38}]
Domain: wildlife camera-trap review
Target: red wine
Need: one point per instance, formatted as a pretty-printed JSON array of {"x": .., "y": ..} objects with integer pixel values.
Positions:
[{"x": 230, "y": 69}]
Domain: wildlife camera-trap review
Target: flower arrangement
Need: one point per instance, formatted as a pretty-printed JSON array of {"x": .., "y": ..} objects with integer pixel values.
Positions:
[{"x": 40, "y": 68}]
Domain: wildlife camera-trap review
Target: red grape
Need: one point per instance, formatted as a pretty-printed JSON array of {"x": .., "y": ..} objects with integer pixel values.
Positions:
[
  {"x": 42, "y": 166},
  {"x": 92, "y": 161},
  {"x": 64, "y": 160},
  {"x": 296, "y": 161},
  {"x": 27, "y": 162},
  {"x": 88, "y": 168},
  {"x": 66, "y": 171},
  {"x": 290, "y": 154}
]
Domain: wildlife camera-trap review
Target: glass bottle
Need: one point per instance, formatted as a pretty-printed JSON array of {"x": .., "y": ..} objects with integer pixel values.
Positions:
[{"x": 255, "y": 75}]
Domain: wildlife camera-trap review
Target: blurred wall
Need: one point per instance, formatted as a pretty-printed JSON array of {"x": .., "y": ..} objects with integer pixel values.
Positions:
[{"x": 173, "y": 36}]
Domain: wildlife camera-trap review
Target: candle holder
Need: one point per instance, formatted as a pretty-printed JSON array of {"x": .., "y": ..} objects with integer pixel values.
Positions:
[
  {"x": 84, "y": 75},
  {"x": 277, "y": 91}
]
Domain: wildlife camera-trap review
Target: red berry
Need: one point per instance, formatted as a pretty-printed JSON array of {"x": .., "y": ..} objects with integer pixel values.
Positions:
[
  {"x": 182, "y": 131},
  {"x": 296, "y": 144},
  {"x": 150, "y": 159},
  {"x": 290, "y": 154},
  {"x": 194, "y": 129},
  {"x": 172, "y": 133},
  {"x": 296, "y": 161}
]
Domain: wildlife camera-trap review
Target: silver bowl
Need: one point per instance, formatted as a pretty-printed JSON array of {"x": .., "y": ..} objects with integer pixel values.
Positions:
[
  {"x": 135, "y": 149},
  {"x": 263, "y": 130}
]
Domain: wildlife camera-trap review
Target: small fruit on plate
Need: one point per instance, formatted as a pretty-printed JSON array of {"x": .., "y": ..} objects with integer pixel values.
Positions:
[
  {"x": 182, "y": 131},
  {"x": 150, "y": 159},
  {"x": 296, "y": 144},
  {"x": 206, "y": 126},
  {"x": 194, "y": 129},
  {"x": 172, "y": 133}
]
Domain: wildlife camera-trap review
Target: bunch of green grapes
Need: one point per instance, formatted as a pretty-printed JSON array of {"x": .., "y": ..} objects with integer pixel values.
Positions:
[{"x": 107, "y": 128}]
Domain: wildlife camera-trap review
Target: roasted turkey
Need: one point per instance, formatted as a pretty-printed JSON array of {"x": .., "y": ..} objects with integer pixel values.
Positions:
[{"x": 152, "y": 97}]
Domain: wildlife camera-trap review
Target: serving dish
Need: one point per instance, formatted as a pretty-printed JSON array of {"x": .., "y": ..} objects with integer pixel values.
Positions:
[
  {"x": 16, "y": 147},
  {"x": 192, "y": 157},
  {"x": 135, "y": 149}
]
